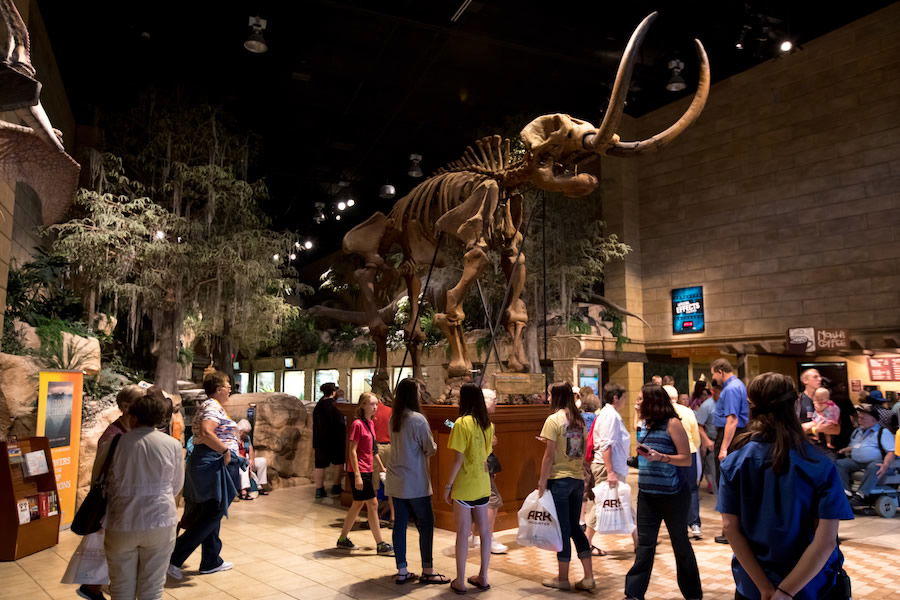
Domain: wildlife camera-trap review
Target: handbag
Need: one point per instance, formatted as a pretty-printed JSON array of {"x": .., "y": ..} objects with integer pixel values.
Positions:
[
  {"x": 493, "y": 464},
  {"x": 89, "y": 516},
  {"x": 841, "y": 590}
]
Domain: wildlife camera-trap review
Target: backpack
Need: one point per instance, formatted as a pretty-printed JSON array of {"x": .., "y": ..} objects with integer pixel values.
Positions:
[{"x": 589, "y": 451}]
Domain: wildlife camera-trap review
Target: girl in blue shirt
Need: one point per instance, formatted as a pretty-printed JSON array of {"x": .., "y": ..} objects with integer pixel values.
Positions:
[{"x": 781, "y": 500}]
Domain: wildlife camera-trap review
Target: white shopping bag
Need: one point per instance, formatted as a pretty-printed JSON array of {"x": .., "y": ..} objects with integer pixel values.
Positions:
[
  {"x": 88, "y": 563},
  {"x": 613, "y": 507},
  {"x": 538, "y": 524}
]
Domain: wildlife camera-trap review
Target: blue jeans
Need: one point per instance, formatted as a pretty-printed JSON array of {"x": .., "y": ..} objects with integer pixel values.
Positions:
[
  {"x": 567, "y": 495},
  {"x": 847, "y": 466},
  {"x": 421, "y": 509},
  {"x": 694, "y": 509}
]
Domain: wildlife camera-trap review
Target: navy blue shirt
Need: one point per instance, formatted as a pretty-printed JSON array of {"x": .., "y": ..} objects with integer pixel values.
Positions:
[
  {"x": 778, "y": 514},
  {"x": 733, "y": 401}
]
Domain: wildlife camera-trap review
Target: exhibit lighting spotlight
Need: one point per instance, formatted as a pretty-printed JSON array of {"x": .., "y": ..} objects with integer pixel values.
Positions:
[
  {"x": 786, "y": 46},
  {"x": 337, "y": 217},
  {"x": 308, "y": 245},
  {"x": 676, "y": 82},
  {"x": 320, "y": 212},
  {"x": 160, "y": 234},
  {"x": 256, "y": 43},
  {"x": 298, "y": 245},
  {"x": 293, "y": 256},
  {"x": 387, "y": 191},
  {"x": 341, "y": 205},
  {"x": 415, "y": 166},
  {"x": 275, "y": 257},
  {"x": 350, "y": 202}
]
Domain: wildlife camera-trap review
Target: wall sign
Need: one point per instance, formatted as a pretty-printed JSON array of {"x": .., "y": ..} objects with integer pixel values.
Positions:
[
  {"x": 832, "y": 339},
  {"x": 59, "y": 419},
  {"x": 884, "y": 369},
  {"x": 687, "y": 310},
  {"x": 801, "y": 339}
]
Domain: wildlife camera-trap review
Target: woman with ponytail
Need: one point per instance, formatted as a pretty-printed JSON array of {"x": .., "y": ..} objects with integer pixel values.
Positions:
[
  {"x": 562, "y": 473},
  {"x": 781, "y": 500}
]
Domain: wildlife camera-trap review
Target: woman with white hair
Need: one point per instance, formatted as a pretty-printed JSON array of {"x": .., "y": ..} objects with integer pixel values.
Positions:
[{"x": 258, "y": 464}]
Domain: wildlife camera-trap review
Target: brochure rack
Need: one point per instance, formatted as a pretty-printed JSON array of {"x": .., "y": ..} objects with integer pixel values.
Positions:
[{"x": 37, "y": 534}]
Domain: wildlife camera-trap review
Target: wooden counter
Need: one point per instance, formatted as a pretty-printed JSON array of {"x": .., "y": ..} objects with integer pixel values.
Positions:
[{"x": 519, "y": 453}]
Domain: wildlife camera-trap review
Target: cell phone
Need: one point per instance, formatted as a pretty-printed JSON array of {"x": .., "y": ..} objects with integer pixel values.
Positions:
[
  {"x": 449, "y": 423},
  {"x": 646, "y": 449}
]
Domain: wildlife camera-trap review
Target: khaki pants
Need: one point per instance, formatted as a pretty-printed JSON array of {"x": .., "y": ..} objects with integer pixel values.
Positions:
[{"x": 138, "y": 561}]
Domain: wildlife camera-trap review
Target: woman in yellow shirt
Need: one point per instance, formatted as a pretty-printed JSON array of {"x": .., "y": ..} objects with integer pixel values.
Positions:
[
  {"x": 469, "y": 485},
  {"x": 562, "y": 474}
]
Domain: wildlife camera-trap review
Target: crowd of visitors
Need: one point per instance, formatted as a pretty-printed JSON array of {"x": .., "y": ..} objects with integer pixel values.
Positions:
[{"x": 780, "y": 462}]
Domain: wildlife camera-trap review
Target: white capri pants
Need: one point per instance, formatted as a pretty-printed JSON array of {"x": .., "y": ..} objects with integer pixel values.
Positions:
[{"x": 259, "y": 465}]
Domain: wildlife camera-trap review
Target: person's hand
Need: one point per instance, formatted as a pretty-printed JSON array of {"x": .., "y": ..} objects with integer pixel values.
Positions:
[
  {"x": 358, "y": 482},
  {"x": 723, "y": 453},
  {"x": 709, "y": 445},
  {"x": 383, "y": 469},
  {"x": 612, "y": 480},
  {"x": 447, "y": 489},
  {"x": 779, "y": 595},
  {"x": 227, "y": 457},
  {"x": 881, "y": 469},
  {"x": 542, "y": 487}
]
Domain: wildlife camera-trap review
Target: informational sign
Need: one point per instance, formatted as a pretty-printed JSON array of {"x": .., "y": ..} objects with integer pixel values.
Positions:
[
  {"x": 519, "y": 383},
  {"x": 589, "y": 377},
  {"x": 856, "y": 386},
  {"x": 884, "y": 369},
  {"x": 59, "y": 420},
  {"x": 832, "y": 339},
  {"x": 687, "y": 310}
]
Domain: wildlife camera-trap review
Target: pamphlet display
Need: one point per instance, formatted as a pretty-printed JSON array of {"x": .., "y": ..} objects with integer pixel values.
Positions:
[{"x": 29, "y": 500}]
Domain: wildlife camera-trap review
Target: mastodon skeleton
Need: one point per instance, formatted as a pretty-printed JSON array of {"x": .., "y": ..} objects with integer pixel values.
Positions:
[{"x": 478, "y": 201}]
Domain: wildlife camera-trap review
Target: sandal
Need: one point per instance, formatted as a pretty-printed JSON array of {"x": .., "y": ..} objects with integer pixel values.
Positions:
[
  {"x": 456, "y": 590},
  {"x": 435, "y": 578},
  {"x": 479, "y": 583},
  {"x": 401, "y": 578},
  {"x": 595, "y": 551}
]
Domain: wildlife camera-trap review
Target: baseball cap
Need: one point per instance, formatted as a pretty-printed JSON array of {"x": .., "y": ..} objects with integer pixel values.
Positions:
[{"x": 868, "y": 409}]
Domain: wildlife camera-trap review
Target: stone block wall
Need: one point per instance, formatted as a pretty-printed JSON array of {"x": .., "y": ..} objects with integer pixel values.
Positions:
[{"x": 783, "y": 200}]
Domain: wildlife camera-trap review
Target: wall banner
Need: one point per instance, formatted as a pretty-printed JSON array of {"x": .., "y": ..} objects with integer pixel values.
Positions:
[
  {"x": 687, "y": 310},
  {"x": 59, "y": 420}
]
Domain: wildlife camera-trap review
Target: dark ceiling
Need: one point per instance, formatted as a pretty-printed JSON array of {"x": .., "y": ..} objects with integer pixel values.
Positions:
[{"x": 349, "y": 89}]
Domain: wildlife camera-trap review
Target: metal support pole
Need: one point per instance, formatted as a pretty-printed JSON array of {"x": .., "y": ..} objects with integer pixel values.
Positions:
[{"x": 487, "y": 313}]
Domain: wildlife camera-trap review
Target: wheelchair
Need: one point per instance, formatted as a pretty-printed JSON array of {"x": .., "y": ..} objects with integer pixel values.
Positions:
[{"x": 884, "y": 498}]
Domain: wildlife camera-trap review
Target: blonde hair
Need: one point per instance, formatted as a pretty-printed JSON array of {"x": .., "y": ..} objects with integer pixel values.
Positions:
[
  {"x": 360, "y": 410},
  {"x": 127, "y": 395}
]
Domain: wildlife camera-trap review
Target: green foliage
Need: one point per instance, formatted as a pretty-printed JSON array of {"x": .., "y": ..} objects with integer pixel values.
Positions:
[
  {"x": 323, "y": 352},
  {"x": 185, "y": 356},
  {"x": 365, "y": 353},
  {"x": 577, "y": 326},
  {"x": 483, "y": 346},
  {"x": 298, "y": 336},
  {"x": 617, "y": 320}
]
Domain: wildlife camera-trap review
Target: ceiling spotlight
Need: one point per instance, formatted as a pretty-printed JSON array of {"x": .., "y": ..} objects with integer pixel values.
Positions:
[
  {"x": 350, "y": 202},
  {"x": 337, "y": 217},
  {"x": 786, "y": 46},
  {"x": 387, "y": 191},
  {"x": 298, "y": 245},
  {"x": 293, "y": 256},
  {"x": 308, "y": 245},
  {"x": 160, "y": 235},
  {"x": 341, "y": 205},
  {"x": 676, "y": 82},
  {"x": 256, "y": 43},
  {"x": 275, "y": 257},
  {"x": 415, "y": 166}
]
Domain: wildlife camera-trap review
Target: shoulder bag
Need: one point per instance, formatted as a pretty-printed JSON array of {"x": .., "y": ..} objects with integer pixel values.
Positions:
[{"x": 89, "y": 516}]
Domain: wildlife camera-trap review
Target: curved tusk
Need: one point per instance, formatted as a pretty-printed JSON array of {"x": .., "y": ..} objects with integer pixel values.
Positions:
[
  {"x": 659, "y": 140},
  {"x": 616, "y": 106}
]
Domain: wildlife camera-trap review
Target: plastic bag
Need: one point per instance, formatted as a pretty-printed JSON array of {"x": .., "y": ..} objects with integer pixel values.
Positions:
[
  {"x": 88, "y": 563},
  {"x": 613, "y": 508},
  {"x": 538, "y": 523}
]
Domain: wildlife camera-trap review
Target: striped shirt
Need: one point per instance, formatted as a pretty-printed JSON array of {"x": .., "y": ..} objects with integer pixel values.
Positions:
[{"x": 656, "y": 477}]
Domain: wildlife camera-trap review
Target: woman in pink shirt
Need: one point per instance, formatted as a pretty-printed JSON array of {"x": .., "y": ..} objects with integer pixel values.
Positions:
[{"x": 363, "y": 457}]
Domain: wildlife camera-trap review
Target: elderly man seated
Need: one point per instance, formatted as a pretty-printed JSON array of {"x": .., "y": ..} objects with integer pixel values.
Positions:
[{"x": 871, "y": 450}]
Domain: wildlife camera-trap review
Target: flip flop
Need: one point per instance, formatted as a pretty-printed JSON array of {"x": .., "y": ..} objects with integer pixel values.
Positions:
[
  {"x": 401, "y": 578},
  {"x": 456, "y": 590},
  {"x": 474, "y": 581},
  {"x": 433, "y": 578},
  {"x": 595, "y": 551}
]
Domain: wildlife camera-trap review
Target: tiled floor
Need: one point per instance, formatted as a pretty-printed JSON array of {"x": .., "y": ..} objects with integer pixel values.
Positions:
[{"x": 282, "y": 548}]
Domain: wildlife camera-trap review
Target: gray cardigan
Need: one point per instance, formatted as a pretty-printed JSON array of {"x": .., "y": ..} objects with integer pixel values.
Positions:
[{"x": 408, "y": 474}]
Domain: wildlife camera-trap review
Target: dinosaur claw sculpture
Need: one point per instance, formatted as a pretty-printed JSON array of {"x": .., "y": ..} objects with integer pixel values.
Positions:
[
  {"x": 33, "y": 154},
  {"x": 477, "y": 201}
]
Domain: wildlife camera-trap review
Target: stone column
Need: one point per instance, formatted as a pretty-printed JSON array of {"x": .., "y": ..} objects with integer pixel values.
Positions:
[{"x": 631, "y": 377}]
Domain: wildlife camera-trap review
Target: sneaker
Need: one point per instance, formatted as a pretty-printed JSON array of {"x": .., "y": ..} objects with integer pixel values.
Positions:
[
  {"x": 174, "y": 572},
  {"x": 384, "y": 549},
  {"x": 498, "y": 548},
  {"x": 225, "y": 566},
  {"x": 556, "y": 584},
  {"x": 89, "y": 594},
  {"x": 856, "y": 501},
  {"x": 696, "y": 533},
  {"x": 320, "y": 492},
  {"x": 336, "y": 490},
  {"x": 721, "y": 539},
  {"x": 345, "y": 543}
]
